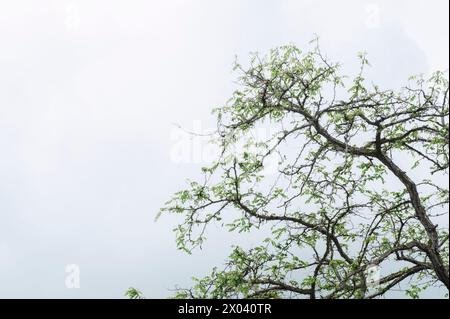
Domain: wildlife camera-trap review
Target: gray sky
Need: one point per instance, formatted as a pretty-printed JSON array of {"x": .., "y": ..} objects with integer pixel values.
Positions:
[{"x": 90, "y": 92}]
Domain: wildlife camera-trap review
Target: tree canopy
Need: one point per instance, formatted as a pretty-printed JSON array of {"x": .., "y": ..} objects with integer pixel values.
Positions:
[{"x": 361, "y": 183}]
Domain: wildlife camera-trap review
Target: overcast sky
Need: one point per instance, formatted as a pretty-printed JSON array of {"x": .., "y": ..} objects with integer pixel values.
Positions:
[{"x": 90, "y": 95}]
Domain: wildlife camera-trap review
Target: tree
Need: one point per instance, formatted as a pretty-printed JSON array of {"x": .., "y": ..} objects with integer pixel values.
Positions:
[{"x": 361, "y": 184}]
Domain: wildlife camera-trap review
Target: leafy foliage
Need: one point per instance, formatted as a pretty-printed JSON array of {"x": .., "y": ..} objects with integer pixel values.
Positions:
[
  {"x": 361, "y": 181},
  {"x": 133, "y": 293}
]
